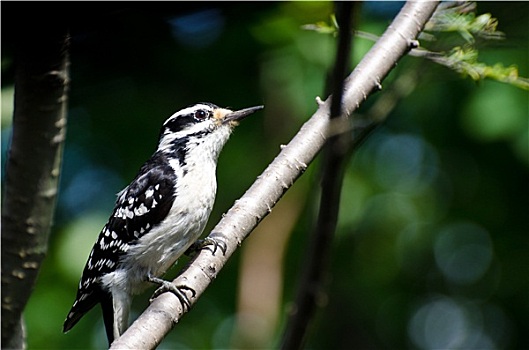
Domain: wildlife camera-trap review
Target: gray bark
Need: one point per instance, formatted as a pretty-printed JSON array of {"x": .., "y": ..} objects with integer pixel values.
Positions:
[{"x": 32, "y": 169}]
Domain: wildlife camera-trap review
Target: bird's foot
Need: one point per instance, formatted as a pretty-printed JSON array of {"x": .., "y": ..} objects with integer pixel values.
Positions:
[
  {"x": 212, "y": 244},
  {"x": 178, "y": 291}
]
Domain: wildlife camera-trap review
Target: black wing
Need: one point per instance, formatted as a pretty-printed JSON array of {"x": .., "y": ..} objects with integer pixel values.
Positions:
[{"x": 139, "y": 207}]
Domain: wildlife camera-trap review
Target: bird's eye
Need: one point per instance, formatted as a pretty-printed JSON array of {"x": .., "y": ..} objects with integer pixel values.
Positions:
[{"x": 201, "y": 114}]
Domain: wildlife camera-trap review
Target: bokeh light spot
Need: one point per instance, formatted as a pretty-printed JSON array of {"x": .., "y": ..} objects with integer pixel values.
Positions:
[
  {"x": 463, "y": 252},
  {"x": 199, "y": 29}
]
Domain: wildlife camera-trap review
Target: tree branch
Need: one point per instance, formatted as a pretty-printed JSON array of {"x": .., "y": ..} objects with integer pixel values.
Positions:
[
  {"x": 335, "y": 152},
  {"x": 33, "y": 167},
  {"x": 163, "y": 313}
]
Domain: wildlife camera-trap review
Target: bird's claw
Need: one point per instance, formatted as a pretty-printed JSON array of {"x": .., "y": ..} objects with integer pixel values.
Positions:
[
  {"x": 212, "y": 244},
  {"x": 178, "y": 291}
]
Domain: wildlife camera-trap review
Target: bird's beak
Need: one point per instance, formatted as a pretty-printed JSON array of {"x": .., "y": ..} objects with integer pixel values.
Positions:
[{"x": 240, "y": 114}]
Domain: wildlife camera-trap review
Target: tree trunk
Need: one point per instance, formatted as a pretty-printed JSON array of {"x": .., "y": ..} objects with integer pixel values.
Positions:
[{"x": 33, "y": 164}]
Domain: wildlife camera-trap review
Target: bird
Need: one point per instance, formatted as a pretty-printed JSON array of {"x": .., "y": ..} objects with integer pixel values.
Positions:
[{"x": 157, "y": 217}]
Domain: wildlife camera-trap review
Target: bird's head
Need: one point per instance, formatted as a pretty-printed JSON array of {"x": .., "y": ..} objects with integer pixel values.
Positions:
[{"x": 201, "y": 123}]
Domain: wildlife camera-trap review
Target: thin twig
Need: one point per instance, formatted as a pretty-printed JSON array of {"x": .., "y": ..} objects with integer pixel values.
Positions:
[{"x": 335, "y": 152}]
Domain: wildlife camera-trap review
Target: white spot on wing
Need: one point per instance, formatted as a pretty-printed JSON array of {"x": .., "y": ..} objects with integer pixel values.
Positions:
[
  {"x": 128, "y": 213},
  {"x": 141, "y": 210}
]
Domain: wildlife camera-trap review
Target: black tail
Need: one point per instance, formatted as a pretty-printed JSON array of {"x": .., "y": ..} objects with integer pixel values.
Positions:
[
  {"x": 80, "y": 307},
  {"x": 108, "y": 317}
]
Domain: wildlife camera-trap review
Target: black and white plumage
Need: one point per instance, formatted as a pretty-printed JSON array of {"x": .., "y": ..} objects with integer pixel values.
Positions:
[{"x": 158, "y": 216}]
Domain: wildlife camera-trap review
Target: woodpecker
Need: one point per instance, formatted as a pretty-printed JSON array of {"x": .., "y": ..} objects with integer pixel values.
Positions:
[{"x": 157, "y": 217}]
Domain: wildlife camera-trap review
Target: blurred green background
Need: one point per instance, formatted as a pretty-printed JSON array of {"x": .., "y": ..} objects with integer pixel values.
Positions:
[{"x": 432, "y": 243}]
